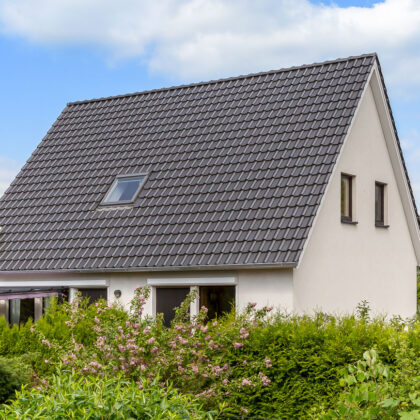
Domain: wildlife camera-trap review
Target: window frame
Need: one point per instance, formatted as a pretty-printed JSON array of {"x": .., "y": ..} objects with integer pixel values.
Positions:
[
  {"x": 105, "y": 203},
  {"x": 347, "y": 219},
  {"x": 194, "y": 284},
  {"x": 383, "y": 198}
]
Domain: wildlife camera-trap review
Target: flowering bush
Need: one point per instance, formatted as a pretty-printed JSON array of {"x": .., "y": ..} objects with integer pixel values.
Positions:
[{"x": 192, "y": 354}]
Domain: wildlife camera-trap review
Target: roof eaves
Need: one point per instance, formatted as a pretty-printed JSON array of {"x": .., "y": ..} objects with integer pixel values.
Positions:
[{"x": 164, "y": 268}]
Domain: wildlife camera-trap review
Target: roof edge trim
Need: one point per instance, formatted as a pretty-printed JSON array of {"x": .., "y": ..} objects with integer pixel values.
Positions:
[
  {"x": 146, "y": 269},
  {"x": 227, "y": 79},
  {"x": 334, "y": 170}
]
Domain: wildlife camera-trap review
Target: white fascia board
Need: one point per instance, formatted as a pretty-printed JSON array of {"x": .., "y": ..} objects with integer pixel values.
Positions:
[
  {"x": 321, "y": 204},
  {"x": 396, "y": 159},
  {"x": 191, "y": 281},
  {"x": 54, "y": 283}
]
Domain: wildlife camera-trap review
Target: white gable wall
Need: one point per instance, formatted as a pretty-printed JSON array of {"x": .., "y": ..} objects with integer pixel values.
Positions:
[{"x": 344, "y": 264}]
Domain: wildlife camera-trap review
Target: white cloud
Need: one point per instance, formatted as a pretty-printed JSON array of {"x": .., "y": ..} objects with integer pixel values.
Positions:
[
  {"x": 8, "y": 170},
  {"x": 211, "y": 38}
]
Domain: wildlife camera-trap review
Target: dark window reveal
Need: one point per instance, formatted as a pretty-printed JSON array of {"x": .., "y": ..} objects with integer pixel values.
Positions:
[
  {"x": 94, "y": 294},
  {"x": 217, "y": 299},
  {"x": 20, "y": 310},
  {"x": 346, "y": 198},
  {"x": 169, "y": 298},
  {"x": 124, "y": 190},
  {"x": 379, "y": 203}
]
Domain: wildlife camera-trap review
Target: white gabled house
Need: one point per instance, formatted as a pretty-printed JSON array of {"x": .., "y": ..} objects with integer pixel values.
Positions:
[{"x": 287, "y": 188}]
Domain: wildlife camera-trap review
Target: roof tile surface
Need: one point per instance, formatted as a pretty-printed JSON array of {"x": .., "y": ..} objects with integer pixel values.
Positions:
[{"x": 236, "y": 171}]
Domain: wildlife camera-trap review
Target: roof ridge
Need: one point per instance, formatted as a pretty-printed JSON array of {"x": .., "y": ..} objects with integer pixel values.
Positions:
[{"x": 226, "y": 79}]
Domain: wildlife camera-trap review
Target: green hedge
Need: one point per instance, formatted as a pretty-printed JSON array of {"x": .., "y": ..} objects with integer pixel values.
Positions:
[
  {"x": 294, "y": 363},
  {"x": 14, "y": 372}
]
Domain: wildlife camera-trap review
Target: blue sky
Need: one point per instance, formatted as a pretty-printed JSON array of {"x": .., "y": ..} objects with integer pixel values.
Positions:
[{"x": 55, "y": 52}]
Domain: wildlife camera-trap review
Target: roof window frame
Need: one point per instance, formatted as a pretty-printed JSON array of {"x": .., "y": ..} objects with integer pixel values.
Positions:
[{"x": 104, "y": 203}]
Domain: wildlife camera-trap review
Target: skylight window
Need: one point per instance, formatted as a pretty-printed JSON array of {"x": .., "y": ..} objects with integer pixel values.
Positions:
[{"x": 124, "y": 190}]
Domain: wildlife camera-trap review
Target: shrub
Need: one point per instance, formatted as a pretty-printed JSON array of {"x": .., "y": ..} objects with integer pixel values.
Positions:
[
  {"x": 266, "y": 365},
  {"x": 14, "y": 373},
  {"x": 373, "y": 390},
  {"x": 69, "y": 396}
]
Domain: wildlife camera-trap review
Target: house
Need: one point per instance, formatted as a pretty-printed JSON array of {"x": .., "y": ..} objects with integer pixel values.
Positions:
[{"x": 287, "y": 188}]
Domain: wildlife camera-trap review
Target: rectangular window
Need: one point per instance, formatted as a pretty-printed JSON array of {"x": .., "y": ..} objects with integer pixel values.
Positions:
[
  {"x": 94, "y": 294},
  {"x": 217, "y": 299},
  {"x": 4, "y": 309},
  {"x": 124, "y": 190},
  {"x": 169, "y": 298},
  {"x": 20, "y": 310},
  {"x": 346, "y": 198},
  {"x": 380, "y": 204}
]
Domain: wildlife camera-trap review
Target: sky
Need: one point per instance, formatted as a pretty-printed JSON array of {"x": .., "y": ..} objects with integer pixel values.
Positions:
[{"x": 57, "y": 51}]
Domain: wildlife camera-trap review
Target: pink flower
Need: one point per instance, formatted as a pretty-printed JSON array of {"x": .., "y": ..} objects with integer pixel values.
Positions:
[
  {"x": 269, "y": 309},
  {"x": 244, "y": 410},
  {"x": 246, "y": 382},
  {"x": 244, "y": 362},
  {"x": 204, "y": 328},
  {"x": 267, "y": 362},
  {"x": 214, "y": 323},
  {"x": 151, "y": 340},
  {"x": 182, "y": 340},
  {"x": 243, "y": 333},
  {"x": 253, "y": 304},
  {"x": 225, "y": 382},
  {"x": 203, "y": 308},
  {"x": 238, "y": 345},
  {"x": 96, "y": 319},
  {"x": 146, "y": 331},
  {"x": 46, "y": 361},
  {"x": 265, "y": 380},
  {"x": 46, "y": 342}
]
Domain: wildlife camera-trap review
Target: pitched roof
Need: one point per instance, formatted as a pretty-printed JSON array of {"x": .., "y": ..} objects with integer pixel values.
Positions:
[{"x": 237, "y": 168}]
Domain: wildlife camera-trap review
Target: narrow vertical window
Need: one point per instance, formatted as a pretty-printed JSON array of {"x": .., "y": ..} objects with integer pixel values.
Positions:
[
  {"x": 346, "y": 198},
  {"x": 379, "y": 204}
]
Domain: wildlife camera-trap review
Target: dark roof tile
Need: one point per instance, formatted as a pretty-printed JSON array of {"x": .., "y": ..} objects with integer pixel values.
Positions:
[{"x": 236, "y": 170}]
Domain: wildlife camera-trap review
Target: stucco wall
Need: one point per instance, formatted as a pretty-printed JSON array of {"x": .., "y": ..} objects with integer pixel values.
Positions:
[
  {"x": 344, "y": 264},
  {"x": 266, "y": 287}
]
